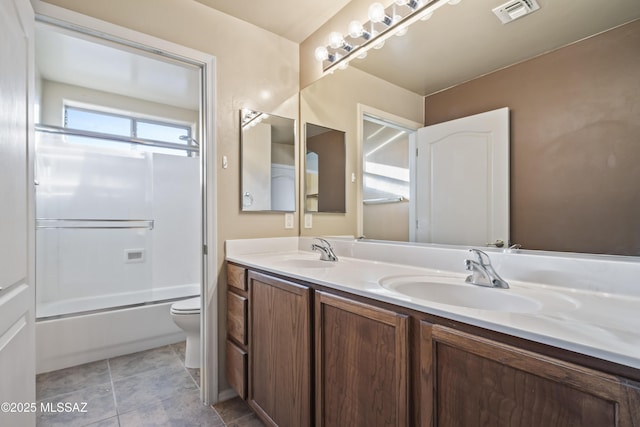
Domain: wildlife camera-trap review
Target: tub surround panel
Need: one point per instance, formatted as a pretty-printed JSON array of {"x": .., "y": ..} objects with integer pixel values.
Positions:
[{"x": 599, "y": 291}]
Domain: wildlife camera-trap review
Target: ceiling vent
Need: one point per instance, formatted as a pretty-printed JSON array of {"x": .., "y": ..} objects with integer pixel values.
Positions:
[{"x": 515, "y": 9}]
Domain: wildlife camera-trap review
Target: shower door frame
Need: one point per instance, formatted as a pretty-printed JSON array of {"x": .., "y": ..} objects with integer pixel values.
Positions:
[{"x": 83, "y": 24}]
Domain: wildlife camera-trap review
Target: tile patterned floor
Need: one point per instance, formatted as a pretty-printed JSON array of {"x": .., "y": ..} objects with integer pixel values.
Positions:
[{"x": 150, "y": 388}]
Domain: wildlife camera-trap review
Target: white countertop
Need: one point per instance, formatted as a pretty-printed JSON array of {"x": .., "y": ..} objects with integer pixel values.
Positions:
[{"x": 592, "y": 322}]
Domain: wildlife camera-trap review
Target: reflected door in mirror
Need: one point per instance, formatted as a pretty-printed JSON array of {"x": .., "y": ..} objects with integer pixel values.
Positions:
[{"x": 462, "y": 181}]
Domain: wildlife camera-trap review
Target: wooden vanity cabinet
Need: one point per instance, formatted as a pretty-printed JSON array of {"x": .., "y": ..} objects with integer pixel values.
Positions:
[
  {"x": 361, "y": 364},
  {"x": 280, "y": 351},
  {"x": 466, "y": 380},
  {"x": 304, "y": 355}
]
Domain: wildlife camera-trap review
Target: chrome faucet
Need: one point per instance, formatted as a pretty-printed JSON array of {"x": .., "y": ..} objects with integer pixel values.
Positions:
[
  {"x": 482, "y": 272},
  {"x": 325, "y": 249}
]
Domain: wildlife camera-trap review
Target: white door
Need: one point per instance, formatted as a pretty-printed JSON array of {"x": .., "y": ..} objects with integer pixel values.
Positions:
[
  {"x": 461, "y": 191},
  {"x": 17, "y": 343}
]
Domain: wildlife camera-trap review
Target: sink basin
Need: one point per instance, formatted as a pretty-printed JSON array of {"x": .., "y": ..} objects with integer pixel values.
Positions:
[{"x": 453, "y": 291}]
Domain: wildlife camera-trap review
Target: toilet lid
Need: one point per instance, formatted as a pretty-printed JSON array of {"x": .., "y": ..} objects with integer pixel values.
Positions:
[{"x": 191, "y": 305}]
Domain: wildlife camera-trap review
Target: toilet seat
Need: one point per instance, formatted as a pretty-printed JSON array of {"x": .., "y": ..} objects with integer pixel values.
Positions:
[{"x": 187, "y": 306}]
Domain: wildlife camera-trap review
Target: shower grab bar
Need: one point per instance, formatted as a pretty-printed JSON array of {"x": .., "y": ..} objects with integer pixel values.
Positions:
[
  {"x": 110, "y": 224},
  {"x": 117, "y": 138},
  {"x": 383, "y": 200}
]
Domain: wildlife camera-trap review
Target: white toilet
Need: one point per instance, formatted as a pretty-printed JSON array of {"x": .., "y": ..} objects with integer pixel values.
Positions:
[{"x": 186, "y": 314}]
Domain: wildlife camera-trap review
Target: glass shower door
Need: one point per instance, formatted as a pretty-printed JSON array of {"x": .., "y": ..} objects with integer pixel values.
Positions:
[{"x": 94, "y": 226}]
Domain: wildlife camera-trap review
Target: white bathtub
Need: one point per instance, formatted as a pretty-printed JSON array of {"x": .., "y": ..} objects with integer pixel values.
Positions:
[
  {"x": 74, "y": 340},
  {"x": 84, "y": 305}
]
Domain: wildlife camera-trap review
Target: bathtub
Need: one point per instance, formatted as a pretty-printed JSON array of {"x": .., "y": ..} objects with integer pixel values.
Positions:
[{"x": 87, "y": 336}]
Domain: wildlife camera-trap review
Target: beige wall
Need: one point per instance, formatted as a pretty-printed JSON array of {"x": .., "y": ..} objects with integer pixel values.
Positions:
[
  {"x": 255, "y": 69},
  {"x": 387, "y": 221},
  {"x": 575, "y": 142},
  {"x": 333, "y": 102},
  {"x": 283, "y": 154},
  {"x": 54, "y": 94}
]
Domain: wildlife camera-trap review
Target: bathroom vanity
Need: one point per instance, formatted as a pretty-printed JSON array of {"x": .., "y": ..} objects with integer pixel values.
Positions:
[{"x": 349, "y": 343}]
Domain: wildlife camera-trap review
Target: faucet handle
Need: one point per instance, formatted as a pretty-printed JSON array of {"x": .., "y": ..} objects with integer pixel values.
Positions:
[
  {"x": 483, "y": 258},
  {"x": 326, "y": 251},
  {"x": 323, "y": 241}
]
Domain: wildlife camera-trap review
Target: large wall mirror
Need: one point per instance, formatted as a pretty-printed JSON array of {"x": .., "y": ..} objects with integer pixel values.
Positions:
[
  {"x": 573, "y": 102},
  {"x": 268, "y": 162},
  {"x": 325, "y": 162}
]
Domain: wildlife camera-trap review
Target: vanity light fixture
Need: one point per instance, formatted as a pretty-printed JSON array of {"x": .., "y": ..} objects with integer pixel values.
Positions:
[
  {"x": 383, "y": 23},
  {"x": 250, "y": 118}
]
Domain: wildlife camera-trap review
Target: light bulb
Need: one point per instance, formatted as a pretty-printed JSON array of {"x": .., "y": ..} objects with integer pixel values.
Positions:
[
  {"x": 344, "y": 65},
  {"x": 321, "y": 53},
  {"x": 454, "y": 2},
  {"x": 336, "y": 40},
  {"x": 379, "y": 45},
  {"x": 402, "y": 31},
  {"x": 355, "y": 29},
  {"x": 362, "y": 55},
  {"x": 402, "y": 2},
  {"x": 376, "y": 12}
]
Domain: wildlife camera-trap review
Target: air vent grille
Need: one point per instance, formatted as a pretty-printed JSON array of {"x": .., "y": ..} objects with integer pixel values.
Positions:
[{"x": 514, "y": 9}]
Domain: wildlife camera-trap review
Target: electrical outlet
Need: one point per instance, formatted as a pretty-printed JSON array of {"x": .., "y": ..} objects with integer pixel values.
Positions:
[
  {"x": 308, "y": 220},
  {"x": 288, "y": 220}
]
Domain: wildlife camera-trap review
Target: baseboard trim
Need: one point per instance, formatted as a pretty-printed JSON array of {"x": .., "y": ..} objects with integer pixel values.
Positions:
[{"x": 226, "y": 395}]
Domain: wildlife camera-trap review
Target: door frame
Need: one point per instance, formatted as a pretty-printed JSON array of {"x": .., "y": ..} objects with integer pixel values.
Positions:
[
  {"x": 363, "y": 110},
  {"x": 77, "y": 22}
]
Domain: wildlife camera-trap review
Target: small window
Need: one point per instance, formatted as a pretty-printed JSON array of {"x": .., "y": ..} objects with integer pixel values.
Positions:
[
  {"x": 163, "y": 132},
  {"x": 155, "y": 132},
  {"x": 94, "y": 121}
]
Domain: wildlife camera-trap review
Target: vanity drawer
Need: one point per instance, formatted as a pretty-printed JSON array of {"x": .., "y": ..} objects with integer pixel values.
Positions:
[
  {"x": 237, "y": 369},
  {"x": 237, "y": 317},
  {"x": 236, "y": 277}
]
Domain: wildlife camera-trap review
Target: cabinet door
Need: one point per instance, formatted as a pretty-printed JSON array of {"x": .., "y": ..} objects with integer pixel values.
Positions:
[
  {"x": 361, "y": 364},
  {"x": 480, "y": 382},
  {"x": 280, "y": 351}
]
